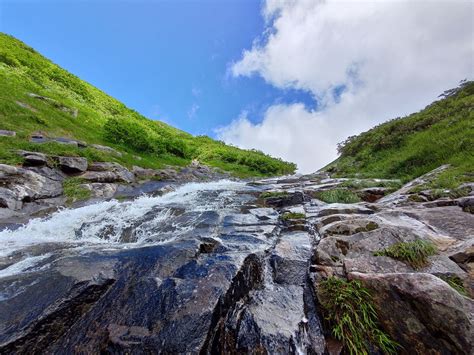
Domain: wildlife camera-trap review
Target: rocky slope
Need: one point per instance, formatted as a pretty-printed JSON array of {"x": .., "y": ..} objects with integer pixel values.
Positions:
[{"x": 235, "y": 267}]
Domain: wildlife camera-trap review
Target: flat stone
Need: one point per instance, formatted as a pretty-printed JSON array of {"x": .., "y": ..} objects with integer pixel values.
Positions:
[{"x": 5, "y": 133}]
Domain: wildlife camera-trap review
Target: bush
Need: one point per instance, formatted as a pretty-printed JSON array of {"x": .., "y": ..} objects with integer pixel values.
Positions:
[
  {"x": 414, "y": 253},
  {"x": 347, "y": 307}
]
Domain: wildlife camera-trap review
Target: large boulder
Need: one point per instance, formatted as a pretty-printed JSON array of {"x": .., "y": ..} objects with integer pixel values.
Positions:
[
  {"x": 72, "y": 165},
  {"x": 21, "y": 185},
  {"x": 108, "y": 172},
  {"x": 422, "y": 312}
]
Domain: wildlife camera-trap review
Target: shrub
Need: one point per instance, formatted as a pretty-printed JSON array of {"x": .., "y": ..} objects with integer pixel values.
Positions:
[
  {"x": 414, "y": 253},
  {"x": 338, "y": 196},
  {"x": 347, "y": 307}
]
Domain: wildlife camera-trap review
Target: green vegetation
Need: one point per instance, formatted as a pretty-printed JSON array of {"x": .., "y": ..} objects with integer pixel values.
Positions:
[
  {"x": 338, "y": 196},
  {"x": 348, "y": 309},
  {"x": 270, "y": 194},
  {"x": 74, "y": 191},
  {"x": 363, "y": 184},
  {"x": 292, "y": 215},
  {"x": 37, "y": 95},
  {"x": 414, "y": 253},
  {"x": 456, "y": 283},
  {"x": 405, "y": 148}
]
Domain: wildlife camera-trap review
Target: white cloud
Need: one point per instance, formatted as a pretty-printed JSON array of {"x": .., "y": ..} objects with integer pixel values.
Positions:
[
  {"x": 394, "y": 57},
  {"x": 192, "y": 112}
]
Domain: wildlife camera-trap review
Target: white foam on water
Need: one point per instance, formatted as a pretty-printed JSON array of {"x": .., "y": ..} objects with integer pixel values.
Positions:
[
  {"x": 25, "y": 265},
  {"x": 62, "y": 226}
]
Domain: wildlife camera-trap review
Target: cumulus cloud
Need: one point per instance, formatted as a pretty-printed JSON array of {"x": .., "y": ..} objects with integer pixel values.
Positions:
[{"x": 383, "y": 59}]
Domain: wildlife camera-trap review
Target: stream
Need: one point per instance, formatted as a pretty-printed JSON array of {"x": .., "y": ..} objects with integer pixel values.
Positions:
[{"x": 201, "y": 269}]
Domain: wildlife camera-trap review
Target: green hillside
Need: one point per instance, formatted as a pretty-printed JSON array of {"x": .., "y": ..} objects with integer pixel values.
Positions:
[
  {"x": 38, "y": 96},
  {"x": 407, "y": 147}
]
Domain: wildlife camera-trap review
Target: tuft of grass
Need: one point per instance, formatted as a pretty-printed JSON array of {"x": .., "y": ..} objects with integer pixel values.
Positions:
[
  {"x": 270, "y": 194},
  {"x": 73, "y": 191},
  {"x": 292, "y": 215},
  {"x": 456, "y": 283},
  {"x": 393, "y": 185},
  {"x": 349, "y": 310},
  {"x": 338, "y": 196},
  {"x": 414, "y": 253}
]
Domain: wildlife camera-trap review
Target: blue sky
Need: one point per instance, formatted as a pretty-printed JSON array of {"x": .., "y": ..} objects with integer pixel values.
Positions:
[
  {"x": 169, "y": 60},
  {"x": 203, "y": 65}
]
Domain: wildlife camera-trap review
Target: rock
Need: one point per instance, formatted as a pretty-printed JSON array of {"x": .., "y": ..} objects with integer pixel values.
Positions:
[
  {"x": 290, "y": 199},
  {"x": 342, "y": 208},
  {"x": 5, "y": 133},
  {"x": 463, "y": 255},
  {"x": 20, "y": 185},
  {"x": 290, "y": 258},
  {"x": 106, "y": 149},
  {"x": 142, "y": 174},
  {"x": 101, "y": 190},
  {"x": 33, "y": 158},
  {"x": 67, "y": 141},
  {"x": 348, "y": 227},
  {"x": 372, "y": 194},
  {"x": 108, "y": 172},
  {"x": 422, "y": 312},
  {"x": 38, "y": 137},
  {"x": 467, "y": 204},
  {"x": 72, "y": 165},
  {"x": 442, "y": 202}
]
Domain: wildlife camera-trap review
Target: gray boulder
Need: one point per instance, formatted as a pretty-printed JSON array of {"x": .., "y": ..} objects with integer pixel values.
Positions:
[
  {"x": 108, "y": 172},
  {"x": 422, "y": 312},
  {"x": 72, "y": 165},
  {"x": 33, "y": 158},
  {"x": 21, "y": 185}
]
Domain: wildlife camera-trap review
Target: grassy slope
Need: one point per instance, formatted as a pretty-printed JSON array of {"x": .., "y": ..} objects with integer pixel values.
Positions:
[
  {"x": 102, "y": 120},
  {"x": 408, "y": 147}
]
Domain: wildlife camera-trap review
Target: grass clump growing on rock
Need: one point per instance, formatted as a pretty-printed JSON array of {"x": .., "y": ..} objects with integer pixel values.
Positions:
[
  {"x": 74, "y": 191},
  {"x": 456, "y": 283},
  {"x": 414, "y": 253},
  {"x": 273, "y": 194},
  {"x": 362, "y": 184},
  {"x": 348, "y": 309},
  {"x": 338, "y": 196},
  {"x": 292, "y": 215}
]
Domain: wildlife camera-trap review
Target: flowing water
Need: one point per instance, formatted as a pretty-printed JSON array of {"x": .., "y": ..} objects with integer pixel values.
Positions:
[{"x": 199, "y": 269}]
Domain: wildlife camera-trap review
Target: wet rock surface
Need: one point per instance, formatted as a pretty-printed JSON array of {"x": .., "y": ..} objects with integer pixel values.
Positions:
[{"x": 214, "y": 268}]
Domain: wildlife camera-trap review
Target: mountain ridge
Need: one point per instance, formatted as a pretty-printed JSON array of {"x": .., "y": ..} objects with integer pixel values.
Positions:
[{"x": 38, "y": 95}]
